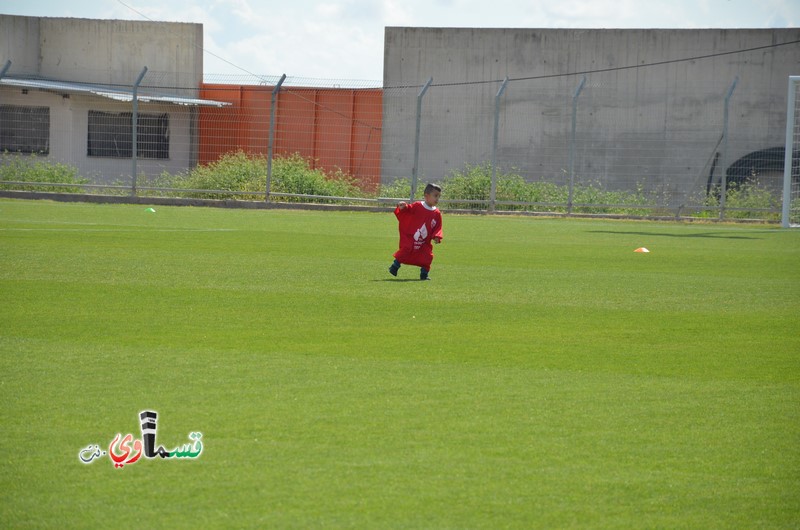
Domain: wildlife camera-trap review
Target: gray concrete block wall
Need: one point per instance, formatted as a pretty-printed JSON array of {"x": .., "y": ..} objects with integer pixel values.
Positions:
[
  {"x": 102, "y": 51},
  {"x": 656, "y": 124},
  {"x": 115, "y": 51},
  {"x": 19, "y": 43}
]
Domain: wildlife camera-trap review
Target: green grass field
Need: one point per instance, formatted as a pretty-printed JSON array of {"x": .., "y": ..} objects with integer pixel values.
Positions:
[{"x": 547, "y": 376}]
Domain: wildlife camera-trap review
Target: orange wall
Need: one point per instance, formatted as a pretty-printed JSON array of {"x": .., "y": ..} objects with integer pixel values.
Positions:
[{"x": 330, "y": 127}]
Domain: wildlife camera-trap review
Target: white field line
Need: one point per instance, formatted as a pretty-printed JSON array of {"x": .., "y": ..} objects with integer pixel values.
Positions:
[{"x": 144, "y": 228}]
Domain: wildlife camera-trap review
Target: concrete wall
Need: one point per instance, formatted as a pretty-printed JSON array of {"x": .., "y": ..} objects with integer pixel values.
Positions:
[
  {"x": 102, "y": 51},
  {"x": 19, "y": 42},
  {"x": 658, "y": 124},
  {"x": 105, "y": 52}
]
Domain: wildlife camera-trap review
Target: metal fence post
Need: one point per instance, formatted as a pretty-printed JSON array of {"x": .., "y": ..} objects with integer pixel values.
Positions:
[
  {"x": 493, "y": 191},
  {"x": 271, "y": 142},
  {"x": 5, "y": 68},
  {"x": 415, "y": 169},
  {"x": 788, "y": 170},
  {"x": 134, "y": 131},
  {"x": 572, "y": 143},
  {"x": 723, "y": 190}
]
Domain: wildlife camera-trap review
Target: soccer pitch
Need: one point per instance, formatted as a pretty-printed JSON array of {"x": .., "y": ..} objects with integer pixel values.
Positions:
[{"x": 547, "y": 376}]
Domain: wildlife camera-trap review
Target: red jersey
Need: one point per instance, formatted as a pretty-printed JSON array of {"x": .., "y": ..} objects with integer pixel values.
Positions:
[{"x": 418, "y": 224}]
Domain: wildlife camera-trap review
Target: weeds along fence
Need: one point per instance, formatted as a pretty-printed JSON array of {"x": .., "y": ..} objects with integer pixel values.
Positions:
[{"x": 595, "y": 144}]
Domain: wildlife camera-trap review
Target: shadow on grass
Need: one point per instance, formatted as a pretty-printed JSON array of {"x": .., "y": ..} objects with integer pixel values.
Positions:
[
  {"x": 713, "y": 235},
  {"x": 398, "y": 280}
]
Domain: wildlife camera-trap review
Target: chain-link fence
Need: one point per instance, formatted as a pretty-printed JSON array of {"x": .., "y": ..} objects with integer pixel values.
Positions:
[
  {"x": 591, "y": 144},
  {"x": 564, "y": 145}
]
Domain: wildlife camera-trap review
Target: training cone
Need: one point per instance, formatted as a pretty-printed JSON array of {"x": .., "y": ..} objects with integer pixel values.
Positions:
[
  {"x": 151, "y": 210},
  {"x": 641, "y": 249}
]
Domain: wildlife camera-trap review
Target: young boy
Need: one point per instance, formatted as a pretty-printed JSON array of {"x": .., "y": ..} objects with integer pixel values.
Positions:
[{"x": 419, "y": 224}]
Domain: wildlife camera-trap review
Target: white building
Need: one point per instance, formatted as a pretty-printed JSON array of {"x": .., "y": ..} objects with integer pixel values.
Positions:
[{"x": 67, "y": 94}]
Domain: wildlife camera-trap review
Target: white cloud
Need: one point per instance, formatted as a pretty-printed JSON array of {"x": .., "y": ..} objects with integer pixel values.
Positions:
[
  {"x": 328, "y": 10},
  {"x": 395, "y": 13},
  {"x": 344, "y": 38}
]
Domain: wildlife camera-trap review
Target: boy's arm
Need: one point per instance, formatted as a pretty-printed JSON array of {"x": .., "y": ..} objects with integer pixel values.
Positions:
[
  {"x": 438, "y": 235},
  {"x": 402, "y": 209}
]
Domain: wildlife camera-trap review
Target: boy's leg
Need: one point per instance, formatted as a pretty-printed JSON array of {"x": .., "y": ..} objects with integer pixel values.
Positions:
[
  {"x": 423, "y": 273},
  {"x": 394, "y": 268}
]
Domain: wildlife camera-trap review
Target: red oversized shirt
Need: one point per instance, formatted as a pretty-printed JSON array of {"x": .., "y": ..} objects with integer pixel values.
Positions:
[{"x": 418, "y": 224}]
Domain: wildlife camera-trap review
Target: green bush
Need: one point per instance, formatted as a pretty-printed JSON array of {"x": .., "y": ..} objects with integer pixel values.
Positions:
[
  {"x": 638, "y": 202},
  {"x": 742, "y": 201},
  {"x": 749, "y": 196},
  {"x": 233, "y": 172},
  {"x": 19, "y": 168},
  {"x": 293, "y": 174},
  {"x": 238, "y": 175},
  {"x": 473, "y": 183},
  {"x": 794, "y": 209},
  {"x": 398, "y": 189},
  {"x": 241, "y": 172}
]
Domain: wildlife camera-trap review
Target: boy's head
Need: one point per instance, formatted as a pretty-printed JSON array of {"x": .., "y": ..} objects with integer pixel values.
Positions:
[{"x": 432, "y": 194}]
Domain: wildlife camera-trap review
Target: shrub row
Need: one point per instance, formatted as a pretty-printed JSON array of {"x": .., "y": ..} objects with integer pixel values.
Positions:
[
  {"x": 238, "y": 175},
  {"x": 14, "y": 168}
]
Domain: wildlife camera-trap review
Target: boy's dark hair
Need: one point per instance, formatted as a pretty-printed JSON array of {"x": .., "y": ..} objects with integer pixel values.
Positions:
[{"x": 430, "y": 187}]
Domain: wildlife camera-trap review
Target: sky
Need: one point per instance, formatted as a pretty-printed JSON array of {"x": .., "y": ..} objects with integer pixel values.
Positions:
[{"x": 343, "y": 39}]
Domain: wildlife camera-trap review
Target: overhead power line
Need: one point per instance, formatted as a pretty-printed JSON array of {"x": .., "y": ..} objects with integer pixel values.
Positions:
[{"x": 627, "y": 67}]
